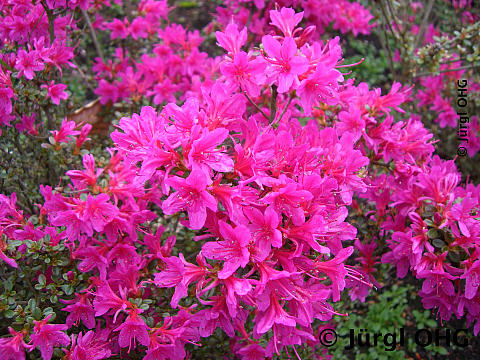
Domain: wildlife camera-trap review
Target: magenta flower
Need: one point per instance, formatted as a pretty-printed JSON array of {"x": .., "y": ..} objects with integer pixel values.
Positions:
[
  {"x": 252, "y": 352},
  {"x": 335, "y": 270},
  {"x": 172, "y": 276},
  {"x": 288, "y": 200},
  {"x": 285, "y": 65},
  {"x": 67, "y": 129},
  {"x": 286, "y": 19},
  {"x": 233, "y": 250},
  {"x": 133, "y": 328},
  {"x": 56, "y": 92},
  {"x": 92, "y": 257},
  {"x": 89, "y": 346},
  {"x": 205, "y": 156},
  {"x": 98, "y": 211},
  {"x": 321, "y": 85},
  {"x": 351, "y": 122},
  {"x": 27, "y": 124},
  {"x": 248, "y": 75},
  {"x": 472, "y": 280},
  {"x": 180, "y": 274},
  {"x": 80, "y": 309},
  {"x": 88, "y": 177},
  {"x": 13, "y": 348},
  {"x": 47, "y": 336},
  {"x": 83, "y": 135},
  {"x": 27, "y": 63},
  {"x": 3, "y": 247},
  {"x": 106, "y": 300},
  {"x": 107, "y": 92},
  {"x": 264, "y": 228},
  {"x": 271, "y": 312},
  {"x": 232, "y": 39},
  {"x": 118, "y": 28},
  {"x": 191, "y": 195}
]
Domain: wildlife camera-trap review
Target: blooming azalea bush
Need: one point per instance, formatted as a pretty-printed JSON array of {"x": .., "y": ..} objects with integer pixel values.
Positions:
[{"x": 228, "y": 210}]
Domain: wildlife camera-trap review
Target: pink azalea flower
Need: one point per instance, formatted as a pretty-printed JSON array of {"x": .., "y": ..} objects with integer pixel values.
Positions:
[
  {"x": 191, "y": 195},
  {"x": 27, "y": 124},
  {"x": 132, "y": 329},
  {"x": 286, "y": 19},
  {"x": 180, "y": 274},
  {"x": 252, "y": 352},
  {"x": 352, "y": 122},
  {"x": 80, "y": 309},
  {"x": 232, "y": 39},
  {"x": 205, "y": 156},
  {"x": 288, "y": 200},
  {"x": 89, "y": 346},
  {"x": 88, "y": 177},
  {"x": 47, "y": 336},
  {"x": 13, "y": 348},
  {"x": 27, "y": 63},
  {"x": 472, "y": 280},
  {"x": 106, "y": 300},
  {"x": 172, "y": 276},
  {"x": 285, "y": 64},
  {"x": 335, "y": 270},
  {"x": 67, "y": 129},
  {"x": 248, "y": 75},
  {"x": 3, "y": 247},
  {"x": 119, "y": 29},
  {"x": 233, "y": 249},
  {"x": 56, "y": 92},
  {"x": 321, "y": 85},
  {"x": 83, "y": 136},
  {"x": 271, "y": 312},
  {"x": 107, "y": 92},
  {"x": 264, "y": 228}
]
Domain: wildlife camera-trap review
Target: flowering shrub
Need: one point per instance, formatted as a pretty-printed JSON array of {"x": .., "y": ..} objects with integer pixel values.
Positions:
[
  {"x": 227, "y": 209},
  {"x": 439, "y": 58}
]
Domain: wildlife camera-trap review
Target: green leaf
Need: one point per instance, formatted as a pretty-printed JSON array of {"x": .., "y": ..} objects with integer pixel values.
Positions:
[
  {"x": 42, "y": 280},
  {"x": 37, "y": 313},
  {"x": 67, "y": 289},
  {"x": 433, "y": 234},
  {"x": 32, "y": 304},
  {"x": 442, "y": 351}
]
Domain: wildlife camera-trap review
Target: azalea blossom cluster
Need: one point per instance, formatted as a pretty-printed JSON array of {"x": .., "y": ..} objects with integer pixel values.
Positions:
[
  {"x": 167, "y": 73},
  {"x": 435, "y": 234},
  {"x": 260, "y": 166},
  {"x": 34, "y": 48},
  {"x": 438, "y": 92},
  {"x": 268, "y": 196},
  {"x": 343, "y": 15}
]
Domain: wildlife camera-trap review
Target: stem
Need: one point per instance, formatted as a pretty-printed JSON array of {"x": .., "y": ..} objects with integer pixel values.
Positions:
[
  {"x": 82, "y": 74},
  {"x": 451, "y": 61},
  {"x": 6, "y": 65},
  {"x": 385, "y": 44},
  {"x": 36, "y": 24},
  {"x": 94, "y": 36},
  {"x": 466, "y": 67},
  {"x": 285, "y": 109},
  {"x": 273, "y": 103},
  {"x": 424, "y": 22},
  {"x": 401, "y": 31},
  {"x": 388, "y": 51},
  {"x": 255, "y": 105},
  {"x": 387, "y": 18},
  {"x": 51, "y": 28}
]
